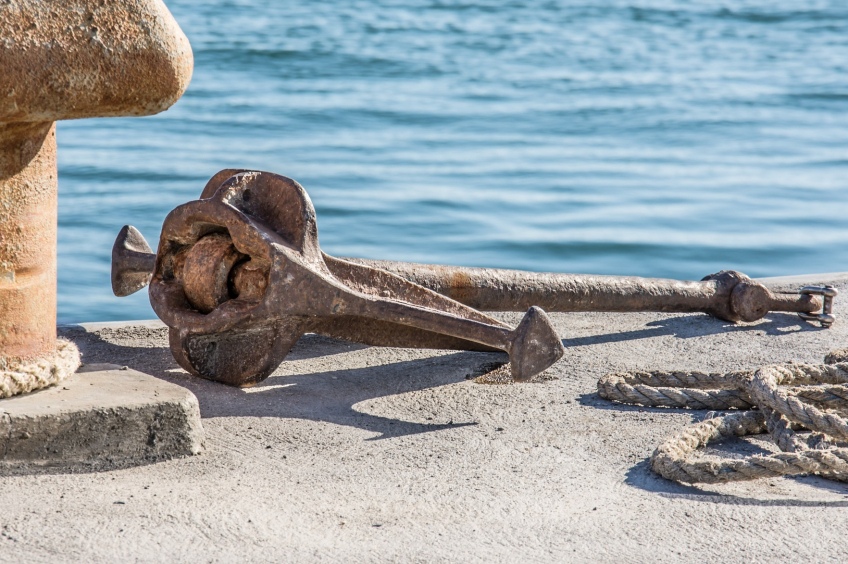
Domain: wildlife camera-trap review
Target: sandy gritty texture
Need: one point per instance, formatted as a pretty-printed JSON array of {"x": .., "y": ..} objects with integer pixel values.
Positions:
[{"x": 350, "y": 453}]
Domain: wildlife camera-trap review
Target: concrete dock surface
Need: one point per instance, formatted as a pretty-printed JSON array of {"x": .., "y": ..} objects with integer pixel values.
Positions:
[{"x": 354, "y": 453}]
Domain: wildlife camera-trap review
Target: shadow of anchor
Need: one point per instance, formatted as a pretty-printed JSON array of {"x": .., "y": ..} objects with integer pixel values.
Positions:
[
  {"x": 698, "y": 325},
  {"x": 331, "y": 396}
]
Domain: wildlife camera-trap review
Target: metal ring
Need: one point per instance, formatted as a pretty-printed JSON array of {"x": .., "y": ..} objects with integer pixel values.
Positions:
[{"x": 827, "y": 292}]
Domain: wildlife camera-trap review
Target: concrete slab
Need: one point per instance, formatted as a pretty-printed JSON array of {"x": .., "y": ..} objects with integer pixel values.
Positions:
[
  {"x": 350, "y": 453},
  {"x": 105, "y": 416}
]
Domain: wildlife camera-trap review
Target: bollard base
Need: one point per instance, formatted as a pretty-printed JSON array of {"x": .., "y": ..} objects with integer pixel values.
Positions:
[{"x": 100, "y": 418}]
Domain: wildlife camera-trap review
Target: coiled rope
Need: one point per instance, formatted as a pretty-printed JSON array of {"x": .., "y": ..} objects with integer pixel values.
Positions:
[
  {"x": 783, "y": 400},
  {"x": 24, "y": 376}
]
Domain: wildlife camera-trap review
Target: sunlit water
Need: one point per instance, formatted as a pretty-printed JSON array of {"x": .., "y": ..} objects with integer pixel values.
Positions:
[{"x": 664, "y": 138}]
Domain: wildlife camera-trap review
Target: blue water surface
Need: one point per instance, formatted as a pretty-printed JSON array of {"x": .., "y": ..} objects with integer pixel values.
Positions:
[{"x": 656, "y": 138}]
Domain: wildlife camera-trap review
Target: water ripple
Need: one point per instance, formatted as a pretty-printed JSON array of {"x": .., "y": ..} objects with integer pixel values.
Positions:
[{"x": 646, "y": 137}]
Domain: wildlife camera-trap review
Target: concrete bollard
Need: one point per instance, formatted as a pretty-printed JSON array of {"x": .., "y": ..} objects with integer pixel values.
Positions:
[{"x": 66, "y": 60}]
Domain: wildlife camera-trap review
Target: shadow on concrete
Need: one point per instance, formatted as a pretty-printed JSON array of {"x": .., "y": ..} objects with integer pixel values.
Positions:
[
  {"x": 330, "y": 396},
  {"x": 314, "y": 346},
  {"x": 698, "y": 325},
  {"x": 596, "y": 401},
  {"x": 641, "y": 476}
]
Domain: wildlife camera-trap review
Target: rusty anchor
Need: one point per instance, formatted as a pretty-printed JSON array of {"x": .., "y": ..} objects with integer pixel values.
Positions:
[{"x": 239, "y": 277}]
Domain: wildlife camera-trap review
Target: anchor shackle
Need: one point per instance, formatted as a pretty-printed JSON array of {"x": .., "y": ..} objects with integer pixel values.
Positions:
[{"x": 212, "y": 271}]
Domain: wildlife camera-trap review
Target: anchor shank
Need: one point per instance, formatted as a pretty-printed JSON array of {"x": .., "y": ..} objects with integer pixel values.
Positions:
[{"x": 490, "y": 289}]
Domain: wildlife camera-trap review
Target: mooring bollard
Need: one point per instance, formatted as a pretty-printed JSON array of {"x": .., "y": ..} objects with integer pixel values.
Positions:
[{"x": 65, "y": 60}]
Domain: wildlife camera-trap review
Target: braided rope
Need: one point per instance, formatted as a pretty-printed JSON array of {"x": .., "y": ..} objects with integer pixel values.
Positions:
[
  {"x": 692, "y": 390},
  {"x": 21, "y": 377},
  {"x": 779, "y": 399}
]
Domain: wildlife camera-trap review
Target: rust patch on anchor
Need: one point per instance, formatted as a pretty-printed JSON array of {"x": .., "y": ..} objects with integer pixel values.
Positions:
[{"x": 459, "y": 287}]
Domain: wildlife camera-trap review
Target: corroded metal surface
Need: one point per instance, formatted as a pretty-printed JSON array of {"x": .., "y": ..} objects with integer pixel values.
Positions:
[
  {"x": 132, "y": 251},
  {"x": 728, "y": 295},
  {"x": 28, "y": 209},
  {"x": 64, "y": 60},
  {"x": 827, "y": 293},
  {"x": 89, "y": 58},
  {"x": 239, "y": 278}
]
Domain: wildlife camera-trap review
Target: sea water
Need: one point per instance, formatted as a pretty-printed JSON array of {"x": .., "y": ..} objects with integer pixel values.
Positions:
[{"x": 655, "y": 138}]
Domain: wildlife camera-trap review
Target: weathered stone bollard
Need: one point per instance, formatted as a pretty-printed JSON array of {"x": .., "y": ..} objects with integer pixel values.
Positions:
[{"x": 65, "y": 60}]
